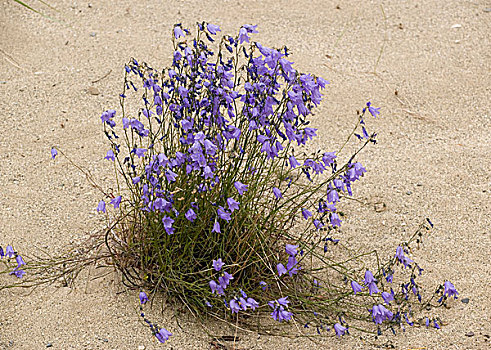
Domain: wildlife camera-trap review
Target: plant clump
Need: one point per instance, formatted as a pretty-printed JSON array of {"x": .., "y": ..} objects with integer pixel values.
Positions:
[{"x": 221, "y": 204}]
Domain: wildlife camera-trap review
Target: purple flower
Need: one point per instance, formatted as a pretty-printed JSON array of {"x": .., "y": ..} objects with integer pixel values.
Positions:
[
  {"x": 216, "y": 227},
  {"x": 143, "y": 298},
  {"x": 178, "y": 32},
  {"x": 373, "y": 111},
  {"x": 450, "y": 290},
  {"x": 281, "y": 269},
  {"x": 170, "y": 175},
  {"x": 371, "y": 283},
  {"x": 108, "y": 115},
  {"x": 183, "y": 92},
  {"x": 116, "y": 202},
  {"x": 163, "y": 335},
  {"x": 110, "y": 155},
  {"x": 212, "y": 28},
  {"x": 293, "y": 162},
  {"x": 251, "y": 28},
  {"x": 216, "y": 288},
  {"x": 135, "y": 180},
  {"x": 277, "y": 193},
  {"x": 335, "y": 220},
  {"x": 9, "y": 251},
  {"x": 54, "y": 153},
  {"x": 225, "y": 279},
  {"x": 306, "y": 213},
  {"x": 389, "y": 277},
  {"x": 232, "y": 204},
  {"x": 20, "y": 261},
  {"x": 167, "y": 221},
  {"x": 280, "y": 314},
  {"x": 283, "y": 301},
  {"x": 187, "y": 124},
  {"x": 310, "y": 132},
  {"x": 380, "y": 313},
  {"x": 291, "y": 249},
  {"x": 369, "y": 278},
  {"x": 401, "y": 257},
  {"x": 161, "y": 205},
  {"x": 147, "y": 113},
  {"x": 263, "y": 285},
  {"x": 356, "y": 287},
  {"x": 340, "y": 330},
  {"x": 18, "y": 273},
  {"x": 223, "y": 214},
  {"x": 243, "y": 35},
  {"x": 291, "y": 266},
  {"x": 101, "y": 206},
  {"x": 436, "y": 324},
  {"x": 2, "y": 254},
  {"x": 234, "y": 306},
  {"x": 190, "y": 215},
  {"x": 244, "y": 295},
  {"x": 372, "y": 288},
  {"x": 318, "y": 224},
  {"x": 210, "y": 148},
  {"x": 332, "y": 195},
  {"x": 218, "y": 264},
  {"x": 355, "y": 171},
  {"x": 140, "y": 152},
  {"x": 253, "y": 304},
  {"x": 388, "y": 297},
  {"x": 241, "y": 188}
]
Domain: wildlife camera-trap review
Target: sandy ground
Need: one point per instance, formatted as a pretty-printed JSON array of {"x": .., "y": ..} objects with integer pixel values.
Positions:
[{"x": 433, "y": 156}]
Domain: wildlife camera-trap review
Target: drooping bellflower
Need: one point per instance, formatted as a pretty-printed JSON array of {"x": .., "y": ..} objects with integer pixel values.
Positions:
[
  {"x": 339, "y": 329},
  {"x": 450, "y": 290},
  {"x": 143, "y": 297}
]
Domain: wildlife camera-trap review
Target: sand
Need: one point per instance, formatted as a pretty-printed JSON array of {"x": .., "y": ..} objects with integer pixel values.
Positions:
[{"x": 432, "y": 158}]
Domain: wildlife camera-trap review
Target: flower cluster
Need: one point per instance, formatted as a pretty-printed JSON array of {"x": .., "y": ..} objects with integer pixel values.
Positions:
[
  {"x": 279, "y": 309},
  {"x": 11, "y": 253},
  {"x": 292, "y": 267},
  {"x": 402, "y": 258},
  {"x": 380, "y": 313},
  {"x": 223, "y": 280},
  {"x": 161, "y": 334},
  {"x": 239, "y": 301},
  {"x": 242, "y": 302}
]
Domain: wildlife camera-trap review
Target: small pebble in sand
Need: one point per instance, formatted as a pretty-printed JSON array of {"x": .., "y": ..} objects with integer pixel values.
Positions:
[
  {"x": 93, "y": 91},
  {"x": 469, "y": 334}
]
